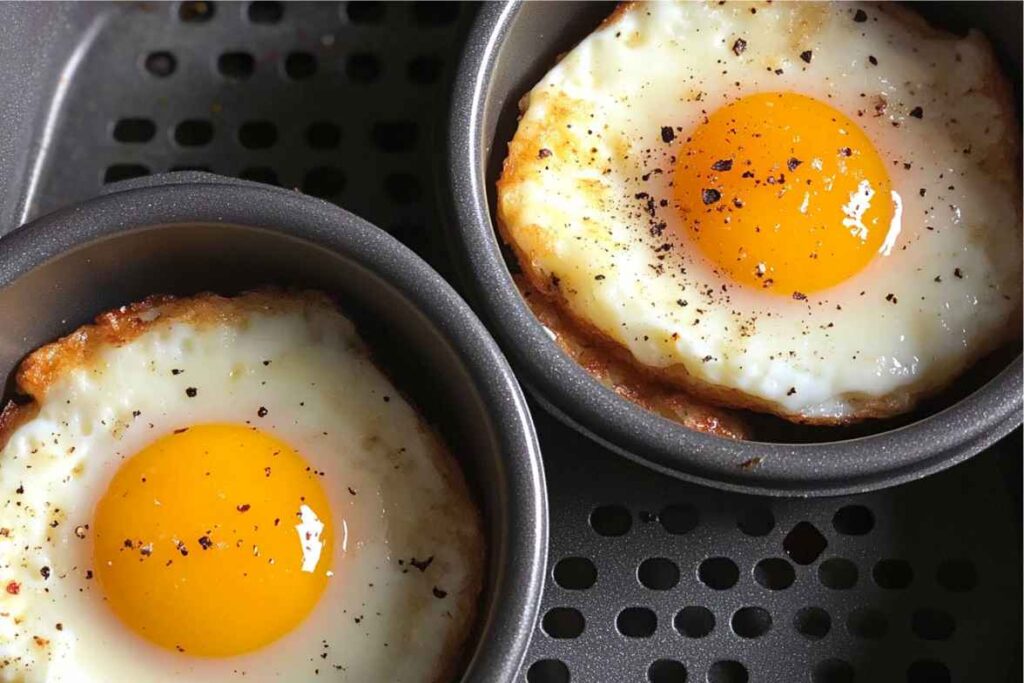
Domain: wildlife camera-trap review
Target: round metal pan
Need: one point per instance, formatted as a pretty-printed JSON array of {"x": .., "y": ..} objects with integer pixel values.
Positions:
[
  {"x": 510, "y": 48},
  {"x": 187, "y": 233}
]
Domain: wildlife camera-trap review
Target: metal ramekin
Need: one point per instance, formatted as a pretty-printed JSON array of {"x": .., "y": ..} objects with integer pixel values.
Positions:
[
  {"x": 510, "y": 49},
  {"x": 186, "y": 233}
]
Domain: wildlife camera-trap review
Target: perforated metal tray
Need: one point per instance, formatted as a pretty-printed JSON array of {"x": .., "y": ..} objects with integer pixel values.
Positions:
[{"x": 650, "y": 579}]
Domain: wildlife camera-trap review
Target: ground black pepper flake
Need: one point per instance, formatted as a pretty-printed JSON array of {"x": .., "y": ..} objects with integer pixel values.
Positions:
[
  {"x": 440, "y": 594},
  {"x": 181, "y": 431},
  {"x": 891, "y": 298},
  {"x": 799, "y": 296},
  {"x": 807, "y": 55},
  {"x": 874, "y": 62},
  {"x": 182, "y": 549},
  {"x": 682, "y": 302},
  {"x": 421, "y": 564},
  {"x": 792, "y": 390},
  {"x": 44, "y": 572},
  {"x": 599, "y": 277},
  {"x": 751, "y": 463},
  {"x": 667, "y": 134},
  {"x": 860, "y": 16},
  {"x": 793, "y": 163},
  {"x": 191, "y": 392},
  {"x": 938, "y": 278},
  {"x": 739, "y": 46},
  {"x": 20, "y": 490},
  {"x": 262, "y": 412},
  {"x": 917, "y": 113},
  {"x": 959, "y": 274},
  {"x": 846, "y": 151},
  {"x": 205, "y": 543},
  {"x": 176, "y": 371},
  {"x": 710, "y": 196},
  {"x": 544, "y": 153},
  {"x": 244, "y": 507},
  {"x": 722, "y": 165}
]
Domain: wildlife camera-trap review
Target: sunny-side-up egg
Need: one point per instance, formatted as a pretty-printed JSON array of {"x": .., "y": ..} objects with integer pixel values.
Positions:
[
  {"x": 211, "y": 488},
  {"x": 809, "y": 209}
]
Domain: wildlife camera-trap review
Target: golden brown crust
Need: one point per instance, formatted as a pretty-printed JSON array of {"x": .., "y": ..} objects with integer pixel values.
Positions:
[{"x": 12, "y": 416}]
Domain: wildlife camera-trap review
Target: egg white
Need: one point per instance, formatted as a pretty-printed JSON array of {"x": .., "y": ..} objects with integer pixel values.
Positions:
[
  {"x": 394, "y": 492},
  {"x": 589, "y": 151}
]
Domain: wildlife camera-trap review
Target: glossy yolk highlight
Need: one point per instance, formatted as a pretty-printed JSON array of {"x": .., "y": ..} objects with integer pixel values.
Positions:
[
  {"x": 196, "y": 540},
  {"x": 784, "y": 193}
]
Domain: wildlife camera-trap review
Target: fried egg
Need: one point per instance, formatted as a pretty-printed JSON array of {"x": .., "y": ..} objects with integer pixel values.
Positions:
[
  {"x": 216, "y": 488},
  {"x": 808, "y": 209}
]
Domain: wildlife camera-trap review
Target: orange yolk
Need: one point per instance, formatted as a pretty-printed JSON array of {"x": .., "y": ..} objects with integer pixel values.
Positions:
[
  {"x": 196, "y": 540},
  {"x": 783, "y": 193}
]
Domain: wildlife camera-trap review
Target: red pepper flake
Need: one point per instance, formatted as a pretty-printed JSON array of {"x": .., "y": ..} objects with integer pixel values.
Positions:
[
  {"x": 799, "y": 296},
  {"x": 806, "y": 55},
  {"x": 13, "y": 587},
  {"x": 722, "y": 165},
  {"x": 860, "y": 16},
  {"x": 917, "y": 113},
  {"x": 739, "y": 46},
  {"x": 544, "y": 153},
  {"x": 667, "y": 134},
  {"x": 262, "y": 412},
  {"x": 440, "y": 594},
  {"x": 191, "y": 392},
  {"x": 244, "y": 507},
  {"x": 710, "y": 196},
  {"x": 40, "y": 641},
  {"x": 793, "y": 163}
]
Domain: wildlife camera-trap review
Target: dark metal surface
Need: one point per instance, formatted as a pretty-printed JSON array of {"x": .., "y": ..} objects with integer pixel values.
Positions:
[
  {"x": 509, "y": 49},
  {"x": 965, "y": 513}
]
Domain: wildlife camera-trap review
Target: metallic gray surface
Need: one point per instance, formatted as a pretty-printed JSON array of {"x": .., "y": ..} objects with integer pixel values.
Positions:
[
  {"x": 198, "y": 232},
  {"x": 510, "y": 46}
]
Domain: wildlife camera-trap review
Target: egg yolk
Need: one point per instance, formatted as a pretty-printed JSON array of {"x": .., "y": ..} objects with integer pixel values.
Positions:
[
  {"x": 209, "y": 540},
  {"x": 784, "y": 193}
]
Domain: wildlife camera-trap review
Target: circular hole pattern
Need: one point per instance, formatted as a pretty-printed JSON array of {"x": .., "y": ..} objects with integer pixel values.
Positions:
[
  {"x": 548, "y": 671},
  {"x": 265, "y": 12},
  {"x": 719, "y": 573},
  {"x": 323, "y": 135},
  {"x": 774, "y": 573},
  {"x": 812, "y": 623},
  {"x": 611, "y": 520},
  {"x": 932, "y": 624},
  {"x": 368, "y": 12},
  {"x": 116, "y": 172},
  {"x": 666, "y": 671},
  {"x": 637, "y": 622},
  {"x": 260, "y": 174},
  {"x": 751, "y": 622},
  {"x": 867, "y": 623},
  {"x": 257, "y": 134},
  {"x": 853, "y": 520},
  {"x": 325, "y": 182},
  {"x": 161, "y": 64},
  {"x": 892, "y": 574},
  {"x": 928, "y": 671},
  {"x": 402, "y": 188},
  {"x": 424, "y": 69},
  {"x": 832, "y": 671},
  {"x": 434, "y": 12},
  {"x": 299, "y": 65},
  {"x": 837, "y": 573},
  {"x": 679, "y": 519},
  {"x": 575, "y": 573},
  {"x": 196, "y": 12},
  {"x": 728, "y": 671},
  {"x": 236, "y": 65},
  {"x": 193, "y": 133},
  {"x": 658, "y": 574},
  {"x": 394, "y": 136},
  {"x": 804, "y": 543},
  {"x": 695, "y": 621},
  {"x": 134, "y": 130},
  {"x": 756, "y": 521},
  {"x": 957, "y": 576},
  {"x": 362, "y": 67},
  {"x": 563, "y": 622}
]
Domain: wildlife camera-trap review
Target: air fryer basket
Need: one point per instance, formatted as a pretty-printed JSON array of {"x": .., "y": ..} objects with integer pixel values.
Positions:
[{"x": 648, "y": 577}]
